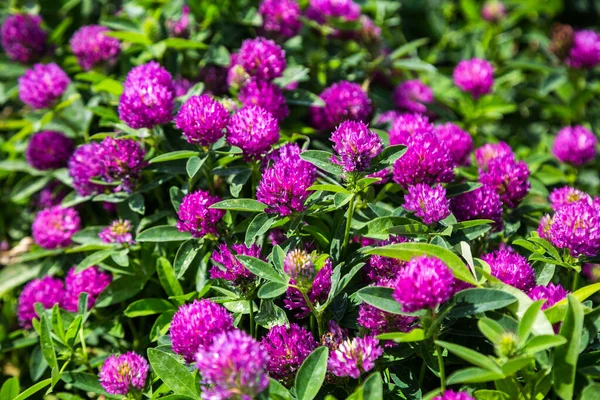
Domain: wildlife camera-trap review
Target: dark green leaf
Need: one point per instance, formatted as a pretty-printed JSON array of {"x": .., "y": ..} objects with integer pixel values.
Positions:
[
  {"x": 381, "y": 298},
  {"x": 303, "y": 97},
  {"x": 478, "y": 300},
  {"x": 174, "y": 155},
  {"x": 46, "y": 342},
  {"x": 566, "y": 356},
  {"x": 272, "y": 289},
  {"x": 185, "y": 256},
  {"x": 321, "y": 159},
  {"x": 167, "y": 278},
  {"x": 471, "y": 356},
  {"x": 259, "y": 225},
  {"x": 120, "y": 289},
  {"x": 94, "y": 259},
  {"x": 174, "y": 375},
  {"x": 262, "y": 269},
  {"x": 145, "y": 307},
  {"x": 163, "y": 233}
]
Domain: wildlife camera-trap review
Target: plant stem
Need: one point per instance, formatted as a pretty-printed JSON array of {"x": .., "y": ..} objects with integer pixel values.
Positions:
[
  {"x": 313, "y": 310},
  {"x": 422, "y": 373},
  {"x": 440, "y": 358},
  {"x": 348, "y": 224},
  {"x": 252, "y": 326},
  {"x": 575, "y": 281}
]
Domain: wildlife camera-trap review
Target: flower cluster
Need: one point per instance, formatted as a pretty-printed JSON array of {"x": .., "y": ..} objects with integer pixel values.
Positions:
[
  {"x": 458, "y": 142},
  {"x": 55, "y": 226},
  {"x": 227, "y": 267},
  {"x": 202, "y": 120},
  {"x": 511, "y": 268},
  {"x": 551, "y": 293},
  {"x": 23, "y": 38},
  {"x": 575, "y": 145},
  {"x": 475, "y": 76},
  {"x": 413, "y": 96},
  {"x": 91, "y": 281},
  {"x": 254, "y": 130},
  {"x": 355, "y": 146},
  {"x": 266, "y": 95},
  {"x": 119, "y": 231},
  {"x": 92, "y": 47},
  {"x": 262, "y": 59},
  {"x": 317, "y": 294},
  {"x": 49, "y": 150},
  {"x": 47, "y": 291},
  {"x": 428, "y": 203},
  {"x": 354, "y": 357},
  {"x": 196, "y": 216},
  {"x": 585, "y": 50},
  {"x": 123, "y": 373},
  {"x": 343, "y": 101},
  {"x": 280, "y": 17},
  {"x": 41, "y": 86}
]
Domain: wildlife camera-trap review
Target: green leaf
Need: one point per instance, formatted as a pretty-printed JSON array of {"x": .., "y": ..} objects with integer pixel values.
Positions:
[
  {"x": 174, "y": 155},
  {"x": 167, "y": 278},
  {"x": 557, "y": 312},
  {"x": 259, "y": 225},
  {"x": 248, "y": 205},
  {"x": 591, "y": 392},
  {"x": 37, "y": 364},
  {"x": 486, "y": 394},
  {"x": 416, "y": 335},
  {"x": 73, "y": 330},
  {"x": 478, "y": 300},
  {"x": 270, "y": 315},
  {"x": 490, "y": 329},
  {"x": 543, "y": 342},
  {"x": 174, "y": 375},
  {"x": 514, "y": 365},
  {"x": 163, "y": 233},
  {"x": 406, "y": 251},
  {"x": 161, "y": 325},
  {"x": 109, "y": 85},
  {"x": 183, "y": 44},
  {"x": 185, "y": 256},
  {"x": 10, "y": 388},
  {"x": 46, "y": 343},
  {"x": 413, "y": 64},
  {"x": 460, "y": 188},
  {"x": 86, "y": 382},
  {"x": 407, "y": 48},
  {"x": 541, "y": 325},
  {"x": 293, "y": 73},
  {"x": 311, "y": 374},
  {"x": 278, "y": 392},
  {"x": 260, "y": 268},
  {"x": 131, "y": 37},
  {"x": 143, "y": 307},
  {"x": 387, "y": 157},
  {"x": 372, "y": 389},
  {"x": 329, "y": 188},
  {"x": 381, "y": 298},
  {"x": 272, "y": 289},
  {"x": 33, "y": 389},
  {"x": 473, "y": 375},
  {"x": 94, "y": 259},
  {"x": 566, "y": 356},
  {"x": 321, "y": 159},
  {"x": 528, "y": 319},
  {"x": 303, "y": 97},
  {"x": 120, "y": 289},
  {"x": 471, "y": 356},
  {"x": 194, "y": 165}
]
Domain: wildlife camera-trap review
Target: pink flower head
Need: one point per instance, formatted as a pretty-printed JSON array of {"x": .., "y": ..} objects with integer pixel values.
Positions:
[{"x": 475, "y": 76}]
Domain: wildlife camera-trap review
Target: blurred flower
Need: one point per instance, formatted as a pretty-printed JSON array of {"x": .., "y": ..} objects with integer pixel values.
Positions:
[
  {"x": 262, "y": 59},
  {"x": 355, "y": 146},
  {"x": 41, "y": 86},
  {"x": 288, "y": 347},
  {"x": 576, "y": 227},
  {"x": 202, "y": 120},
  {"x": 369, "y": 32},
  {"x": 49, "y": 150},
  {"x": 383, "y": 270},
  {"x": 48, "y": 291},
  {"x": 91, "y": 281},
  {"x": 412, "y": 96},
  {"x": 481, "y": 203},
  {"x": 236, "y": 75},
  {"x": 343, "y": 101},
  {"x": 510, "y": 178},
  {"x": 426, "y": 161},
  {"x": 567, "y": 195},
  {"x": 551, "y": 293},
  {"x": 229, "y": 268},
  {"x": 53, "y": 227},
  {"x": 233, "y": 367},
  {"x": 334, "y": 337},
  {"x": 181, "y": 86},
  {"x": 492, "y": 151},
  {"x": 317, "y": 294},
  {"x": 23, "y": 38},
  {"x": 452, "y": 395},
  {"x": 92, "y": 47},
  {"x": 195, "y": 326},
  {"x": 511, "y": 268},
  {"x": 458, "y": 142},
  {"x": 428, "y": 203},
  {"x": 493, "y": 11},
  {"x": 214, "y": 78},
  {"x": 424, "y": 283},
  {"x": 86, "y": 164},
  {"x": 585, "y": 50},
  {"x": 123, "y": 373},
  {"x": 180, "y": 27},
  {"x": 321, "y": 10},
  {"x": 196, "y": 217},
  {"x": 562, "y": 40},
  {"x": 280, "y": 17},
  {"x": 119, "y": 231},
  {"x": 475, "y": 76},
  {"x": 148, "y": 96},
  {"x": 123, "y": 161},
  {"x": 300, "y": 266},
  {"x": 354, "y": 356},
  {"x": 253, "y": 129},
  {"x": 575, "y": 145},
  {"x": 51, "y": 195},
  {"x": 591, "y": 272},
  {"x": 405, "y": 126},
  {"x": 276, "y": 237},
  {"x": 266, "y": 95}
]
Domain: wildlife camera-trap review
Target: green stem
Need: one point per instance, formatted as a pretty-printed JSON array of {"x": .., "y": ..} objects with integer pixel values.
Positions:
[
  {"x": 348, "y": 224},
  {"x": 422, "y": 373},
  {"x": 252, "y": 325},
  {"x": 575, "y": 281},
  {"x": 440, "y": 358},
  {"x": 313, "y": 310}
]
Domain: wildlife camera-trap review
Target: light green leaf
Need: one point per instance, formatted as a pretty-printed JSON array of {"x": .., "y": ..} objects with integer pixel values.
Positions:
[
  {"x": 311, "y": 374},
  {"x": 248, "y": 205},
  {"x": 163, "y": 233},
  {"x": 174, "y": 375},
  {"x": 145, "y": 307}
]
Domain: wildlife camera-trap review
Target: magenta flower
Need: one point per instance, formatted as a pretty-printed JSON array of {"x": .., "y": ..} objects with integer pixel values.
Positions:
[
  {"x": 321, "y": 10},
  {"x": 86, "y": 164},
  {"x": 425, "y": 161},
  {"x": 412, "y": 96},
  {"x": 51, "y": 195},
  {"x": 424, "y": 283},
  {"x": 405, "y": 126},
  {"x": 47, "y": 291},
  {"x": 123, "y": 161},
  {"x": 383, "y": 270},
  {"x": 458, "y": 142},
  {"x": 266, "y": 95},
  {"x": 317, "y": 294},
  {"x": 91, "y": 281},
  {"x": 123, "y": 373},
  {"x": 510, "y": 178},
  {"x": 481, "y": 203},
  {"x": 355, "y": 146},
  {"x": 228, "y": 267},
  {"x": 428, "y": 203},
  {"x": 262, "y": 59},
  {"x": 180, "y": 27},
  {"x": 53, "y": 227},
  {"x": 585, "y": 51},
  {"x": 236, "y": 75},
  {"x": 354, "y": 357},
  {"x": 119, "y": 231},
  {"x": 23, "y": 38},
  {"x": 491, "y": 151},
  {"x": 575, "y": 227},
  {"x": 343, "y": 101},
  {"x": 41, "y": 86},
  {"x": 254, "y": 130},
  {"x": 49, "y": 150},
  {"x": 234, "y": 366},
  {"x": 378, "y": 321},
  {"x": 511, "y": 268},
  {"x": 280, "y": 17},
  {"x": 551, "y": 293},
  {"x": 181, "y": 86},
  {"x": 493, "y": 11},
  {"x": 202, "y": 120},
  {"x": 575, "y": 145},
  {"x": 196, "y": 217},
  {"x": 567, "y": 195},
  {"x": 148, "y": 96},
  {"x": 288, "y": 347},
  {"x": 92, "y": 47},
  {"x": 195, "y": 326},
  {"x": 475, "y": 76},
  {"x": 452, "y": 395}
]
